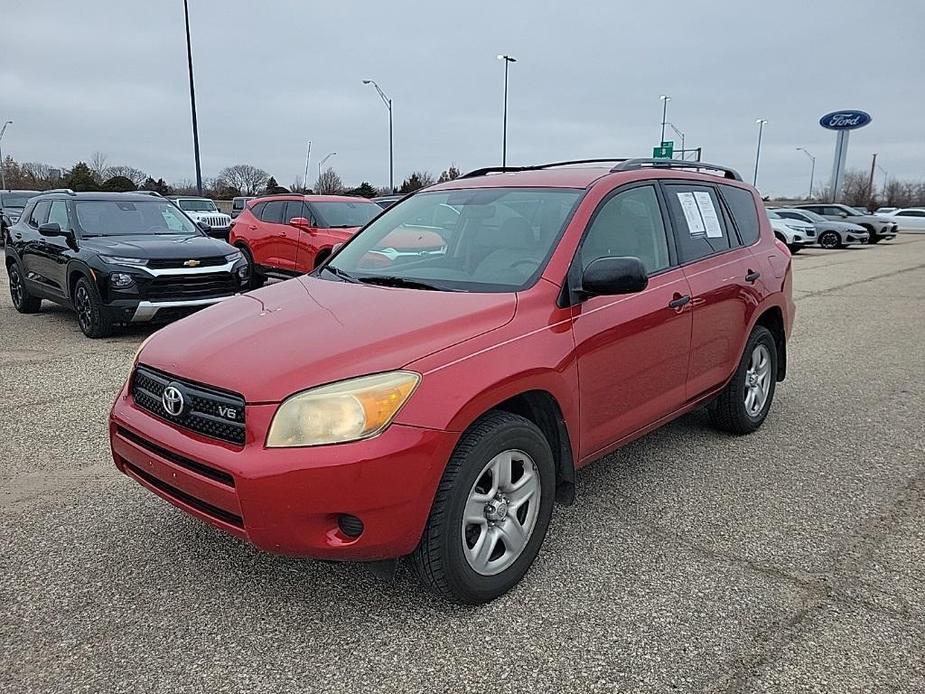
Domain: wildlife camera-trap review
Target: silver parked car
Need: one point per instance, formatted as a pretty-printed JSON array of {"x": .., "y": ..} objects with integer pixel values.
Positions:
[
  {"x": 829, "y": 232},
  {"x": 878, "y": 227}
]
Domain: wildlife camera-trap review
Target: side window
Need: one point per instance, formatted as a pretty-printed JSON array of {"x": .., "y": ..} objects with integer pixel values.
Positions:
[
  {"x": 273, "y": 212},
  {"x": 294, "y": 208},
  {"x": 744, "y": 213},
  {"x": 39, "y": 212},
  {"x": 911, "y": 213},
  {"x": 628, "y": 224},
  {"x": 257, "y": 210},
  {"x": 58, "y": 214},
  {"x": 699, "y": 227},
  {"x": 832, "y": 211},
  {"x": 817, "y": 209}
]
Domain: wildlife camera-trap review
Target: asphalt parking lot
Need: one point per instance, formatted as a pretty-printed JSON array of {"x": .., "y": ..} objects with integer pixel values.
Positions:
[{"x": 789, "y": 560}]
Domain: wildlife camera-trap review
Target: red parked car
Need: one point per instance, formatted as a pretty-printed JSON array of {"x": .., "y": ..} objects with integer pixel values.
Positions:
[
  {"x": 287, "y": 235},
  {"x": 437, "y": 404}
]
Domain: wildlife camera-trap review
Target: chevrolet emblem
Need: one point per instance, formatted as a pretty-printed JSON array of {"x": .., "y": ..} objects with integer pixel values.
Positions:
[{"x": 191, "y": 263}]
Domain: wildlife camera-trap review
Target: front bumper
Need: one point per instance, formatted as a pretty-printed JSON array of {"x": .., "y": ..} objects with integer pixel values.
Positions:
[
  {"x": 288, "y": 501},
  {"x": 148, "y": 310},
  {"x": 888, "y": 231},
  {"x": 851, "y": 237}
]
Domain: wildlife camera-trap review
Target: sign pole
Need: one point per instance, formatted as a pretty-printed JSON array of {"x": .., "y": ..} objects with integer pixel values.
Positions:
[{"x": 838, "y": 165}]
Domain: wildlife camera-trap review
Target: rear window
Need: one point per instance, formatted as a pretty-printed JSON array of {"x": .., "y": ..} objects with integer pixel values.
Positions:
[
  {"x": 699, "y": 224},
  {"x": 744, "y": 213}
]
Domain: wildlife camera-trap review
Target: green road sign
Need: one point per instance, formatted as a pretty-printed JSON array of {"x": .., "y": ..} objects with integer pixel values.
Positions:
[{"x": 663, "y": 152}]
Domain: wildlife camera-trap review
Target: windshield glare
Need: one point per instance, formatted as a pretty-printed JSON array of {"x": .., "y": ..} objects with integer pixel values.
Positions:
[
  {"x": 197, "y": 205},
  {"x": 345, "y": 214},
  {"x": 117, "y": 218},
  {"x": 481, "y": 239}
]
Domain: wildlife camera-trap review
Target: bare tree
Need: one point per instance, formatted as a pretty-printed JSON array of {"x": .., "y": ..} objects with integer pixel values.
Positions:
[
  {"x": 449, "y": 174},
  {"x": 854, "y": 188},
  {"x": 246, "y": 178},
  {"x": 136, "y": 176},
  {"x": 98, "y": 165},
  {"x": 329, "y": 183}
]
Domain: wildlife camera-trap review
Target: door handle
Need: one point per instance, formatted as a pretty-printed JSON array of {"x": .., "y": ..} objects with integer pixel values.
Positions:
[
  {"x": 679, "y": 301},
  {"x": 752, "y": 276},
  {"x": 253, "y": 226}
]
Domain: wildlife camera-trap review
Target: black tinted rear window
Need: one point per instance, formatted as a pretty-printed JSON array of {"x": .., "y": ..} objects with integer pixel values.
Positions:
[{"x": 744, "y": 213}]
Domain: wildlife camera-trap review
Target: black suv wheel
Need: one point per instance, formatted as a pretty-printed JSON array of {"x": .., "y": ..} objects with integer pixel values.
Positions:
[
  {"x": 23, "y": 301},
  {"x": 92, "y": 317}
]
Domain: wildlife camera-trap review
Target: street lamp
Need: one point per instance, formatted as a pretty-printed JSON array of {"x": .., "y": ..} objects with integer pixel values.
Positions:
[
  {"x": 665, "y": 99},
  {"x": 507, "y": 62},
  {"x": 192, "y": 99},
  {"x": 388, "y": 104},
  {"x": 2, "y": 173},
  {"x": 308, "y": 153},
  {"x": 812, "y": 170},
  {"x": 321, "y": 163},
  {"x": 679, "y": 134},
  {"x": 761, "y": 123}
]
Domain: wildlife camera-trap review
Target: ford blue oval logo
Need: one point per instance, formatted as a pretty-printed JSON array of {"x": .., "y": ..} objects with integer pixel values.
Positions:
[{"x": 845, "y": 120}]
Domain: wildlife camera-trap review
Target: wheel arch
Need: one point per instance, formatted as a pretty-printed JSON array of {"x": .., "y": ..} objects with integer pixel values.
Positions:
[
  {"x": 772, "y": 318},
  {"x": 323, "y": 254},
  {"x": 74, "y": 272}
]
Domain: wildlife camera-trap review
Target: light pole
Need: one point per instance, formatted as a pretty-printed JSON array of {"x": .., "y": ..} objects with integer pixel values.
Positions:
[
  {"x": 812, "y": 171},
  {"x": 761, "y": 123},
  {"x": 665, "y": 99},
  {"x": 321, "y": 163},
  {"x": 388, "y": 104},
  {"x": 2, "y": 172},
  {"x": 192, "y": 99},
  {"x": 308, "y": 153},
  {"x": 507, "y": 63},
  {"x": 679, "y": 134}
]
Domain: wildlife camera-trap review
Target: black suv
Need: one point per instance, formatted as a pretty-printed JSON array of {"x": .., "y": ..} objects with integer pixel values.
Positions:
[{"x": 117, "y": 258}]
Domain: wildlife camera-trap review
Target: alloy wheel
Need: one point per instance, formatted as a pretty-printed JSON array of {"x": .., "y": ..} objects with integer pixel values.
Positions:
[
  {"x": 84, "y": 308},
  {"x": 757, "y": 380},
  {"x": 16, "y": 286},
  {"x": 501, "y": 512},
  {"x": 829, "y": 240}
]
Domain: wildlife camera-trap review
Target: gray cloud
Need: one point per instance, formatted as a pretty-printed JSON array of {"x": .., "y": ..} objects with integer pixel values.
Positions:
[{"x": 111, "y": 76}]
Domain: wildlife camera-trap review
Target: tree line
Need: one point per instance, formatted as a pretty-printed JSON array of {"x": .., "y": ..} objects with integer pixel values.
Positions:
[{"x": 96, "y": 174}]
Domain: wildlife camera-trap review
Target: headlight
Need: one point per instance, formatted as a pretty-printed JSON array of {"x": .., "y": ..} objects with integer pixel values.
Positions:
[
  {"x": 120, "y": 260},
  {"x": 233, "y": 257},
  {"x": 340, "y": 412}
]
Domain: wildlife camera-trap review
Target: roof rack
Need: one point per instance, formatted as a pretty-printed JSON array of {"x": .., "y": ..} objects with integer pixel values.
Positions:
[
  {"x": 144, "y": 192},
  {"x": 67, "y": 191},
  {"x": 537, "y": 167},
  {"x": 635, "y": 164}
]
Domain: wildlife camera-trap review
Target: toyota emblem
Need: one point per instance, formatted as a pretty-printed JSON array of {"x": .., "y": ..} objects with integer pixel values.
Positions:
[{"x": 172, "y": 400}]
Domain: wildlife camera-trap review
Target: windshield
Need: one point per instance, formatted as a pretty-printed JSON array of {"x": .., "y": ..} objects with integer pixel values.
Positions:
[
  {"x": 855, "y": 210},
  {"x": 197, "y": 205},
  {"x": 812, "y": 216},
  {"x": 482, "y": 239},
  {"x": 15, "y": 199},
  {"x": 117, "y": 218},
  {"x": 349, "y": 213},
  {"x": 773, "y": 215}
]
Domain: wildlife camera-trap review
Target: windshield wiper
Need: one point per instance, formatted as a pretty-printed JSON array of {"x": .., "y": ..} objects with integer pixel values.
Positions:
[
  {"x": 343, "y": 274},
  {"x": 394, "y": 281},
  {"x": 343, "y": 226}
]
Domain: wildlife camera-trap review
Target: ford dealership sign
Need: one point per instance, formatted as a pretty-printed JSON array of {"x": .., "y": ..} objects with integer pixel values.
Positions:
[{"x": 845, "y": 120}]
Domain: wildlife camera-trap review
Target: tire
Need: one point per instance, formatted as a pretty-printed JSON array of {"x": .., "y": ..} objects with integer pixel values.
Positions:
[
  {"x": 732, "y": 411},
  {"x": 446, "y": 558},
  {"x": 830, "y": 239},
  {"x": 92, "y": 316},
  {"x": 872, "y": 238},
  {"x": 23, "y": 301},
  {"x": 794, "y": 248},
  {"x": 254, "y": 279}
]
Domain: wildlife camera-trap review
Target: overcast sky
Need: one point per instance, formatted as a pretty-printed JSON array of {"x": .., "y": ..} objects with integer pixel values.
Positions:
[{"x": 76, "y": 77}]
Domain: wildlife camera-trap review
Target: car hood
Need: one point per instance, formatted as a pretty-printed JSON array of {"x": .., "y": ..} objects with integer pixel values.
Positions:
[
  {"x": 157, "y": 246},
  {"x": 792, "y": 223},
  {"x": 842, "y": 226},
  {"x": 284, "y": 338}
]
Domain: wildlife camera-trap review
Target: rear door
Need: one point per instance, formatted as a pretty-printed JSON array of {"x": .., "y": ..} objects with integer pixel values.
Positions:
[
  {"x": 33, "y": 246},
  {"x": 51, "y": 262},
  {"x": 722, "y": 273},
  {"x": 301, "y": 239},
  {"x": 267, "y": 235}
]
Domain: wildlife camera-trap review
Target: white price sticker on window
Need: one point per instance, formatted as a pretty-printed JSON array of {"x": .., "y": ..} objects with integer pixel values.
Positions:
[
  {"x": 691, "y": 213},
  {"x": 708, "y": 214}
]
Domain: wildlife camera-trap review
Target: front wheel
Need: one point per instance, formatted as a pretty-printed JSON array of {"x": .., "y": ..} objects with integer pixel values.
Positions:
[
  {"x": 744, "y": 403},
  {"x": 92, "y": 316},
  {"x": 254, "y": 279},
  {"x": 830, "y": 239},
  {"x": 490, "y": 513},
  {"x": 794, "y": 248}
]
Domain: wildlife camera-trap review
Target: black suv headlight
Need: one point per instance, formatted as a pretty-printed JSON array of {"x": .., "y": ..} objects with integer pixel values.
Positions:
[
  {"x": 234, "y": 257},
  {"x": 121, "y": 280}
]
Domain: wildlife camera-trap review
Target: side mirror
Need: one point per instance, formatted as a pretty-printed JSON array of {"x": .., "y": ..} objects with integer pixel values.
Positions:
[
  {"x": 300, "y": 223},
  {"x": 614, "y": 275},
  {"x": 204, "y": 226},
  {"x": 52, "y": 229},
  {"x": 842, "y": 214}
]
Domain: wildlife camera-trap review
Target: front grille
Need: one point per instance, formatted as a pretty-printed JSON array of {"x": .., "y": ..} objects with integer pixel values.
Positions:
[
  {"x": 216, "y": 221},
  {"x": 208, "y": 411},
  {"x": 206, "y": 286},
  {"x": 173, "y": 263}
]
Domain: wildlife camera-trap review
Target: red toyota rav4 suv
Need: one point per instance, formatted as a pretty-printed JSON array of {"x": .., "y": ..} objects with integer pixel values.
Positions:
[
  {"x": 287, "y": 235},
  {"x": 436, "y": 405}
]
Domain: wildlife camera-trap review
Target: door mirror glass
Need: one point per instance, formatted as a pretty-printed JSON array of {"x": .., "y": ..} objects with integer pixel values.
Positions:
[
  {"x": 843, "y": 214},
  {"x": 204, "y": 226},
  {"x": 51, "y": 229},
  {"x": 614, "y": 275},
  {"x": 300, "y": 223}
]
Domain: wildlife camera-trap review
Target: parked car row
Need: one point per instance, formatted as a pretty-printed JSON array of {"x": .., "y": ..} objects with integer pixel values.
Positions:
[{"x": 829, "y": 225}]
